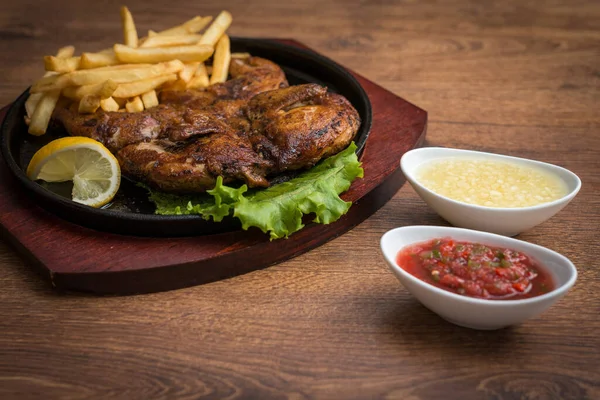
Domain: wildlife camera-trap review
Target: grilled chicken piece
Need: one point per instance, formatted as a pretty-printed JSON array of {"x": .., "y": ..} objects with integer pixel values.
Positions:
[
  {"x": 249, "y": 77},
  {"x": 300, "y": 125},
  {"x": 245, "y": 129},
  {"x": 117, "y": 130},
  {"x": 194, "y": 165}
]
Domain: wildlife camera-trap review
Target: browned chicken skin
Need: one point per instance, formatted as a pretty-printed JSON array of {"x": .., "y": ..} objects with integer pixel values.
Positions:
[
  {"x": 300, "y": 125},
  {"x": 194, "y": 165},
  {"x": 244, "y": 129},
  {"x": 249, "y": 77},
  {"x": 117, "y": 130}
]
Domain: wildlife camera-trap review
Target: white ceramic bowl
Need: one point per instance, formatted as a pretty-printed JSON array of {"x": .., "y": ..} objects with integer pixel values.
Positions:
[
  {"x": 504, "y": 221},
  {"x": 473, "y": 312}
]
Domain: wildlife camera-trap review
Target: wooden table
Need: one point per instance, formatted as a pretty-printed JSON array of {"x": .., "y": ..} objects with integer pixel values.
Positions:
[{"x": 518, "y": 78}]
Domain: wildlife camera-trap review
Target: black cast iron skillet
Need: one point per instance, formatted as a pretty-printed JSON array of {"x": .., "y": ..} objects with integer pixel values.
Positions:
[{"x": 131, "y": 212}]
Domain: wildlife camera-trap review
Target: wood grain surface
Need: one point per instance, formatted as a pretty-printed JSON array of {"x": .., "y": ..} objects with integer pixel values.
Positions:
[{"x": 514, "y": 77}]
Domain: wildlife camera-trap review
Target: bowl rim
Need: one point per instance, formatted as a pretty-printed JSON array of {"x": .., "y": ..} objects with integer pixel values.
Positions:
[
  {"x": 565, "y": 199},
  {"x": 556, "y": 292}
]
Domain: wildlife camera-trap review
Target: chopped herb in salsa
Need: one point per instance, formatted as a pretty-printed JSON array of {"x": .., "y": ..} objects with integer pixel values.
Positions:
[{"x": 475, "y": 270}]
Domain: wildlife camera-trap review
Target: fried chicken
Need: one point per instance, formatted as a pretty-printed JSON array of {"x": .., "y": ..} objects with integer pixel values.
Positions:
[
  {"x": 300, "y": 125},
  {"x": 246, "y": 129}
]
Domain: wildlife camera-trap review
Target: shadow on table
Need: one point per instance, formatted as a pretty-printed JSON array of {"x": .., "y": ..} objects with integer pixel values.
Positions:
[{"x": 410, "y": 321}]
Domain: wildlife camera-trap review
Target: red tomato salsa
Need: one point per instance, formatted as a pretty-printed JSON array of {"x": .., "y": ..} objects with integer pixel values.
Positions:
[{"x": 475, "y": 270}]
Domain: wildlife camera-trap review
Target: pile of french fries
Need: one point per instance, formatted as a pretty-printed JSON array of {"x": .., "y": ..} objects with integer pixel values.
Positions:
[{"x": 127, "y": 76}]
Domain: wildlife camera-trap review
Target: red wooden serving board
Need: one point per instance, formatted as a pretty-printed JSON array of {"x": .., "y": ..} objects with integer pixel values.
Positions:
[{"x": 72, "y": 257}]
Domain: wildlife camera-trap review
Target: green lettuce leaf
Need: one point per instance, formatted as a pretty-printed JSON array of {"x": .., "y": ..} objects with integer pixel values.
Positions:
[
  {"x": 216, "y": 204},
  {"x": 277, "y": 210}
]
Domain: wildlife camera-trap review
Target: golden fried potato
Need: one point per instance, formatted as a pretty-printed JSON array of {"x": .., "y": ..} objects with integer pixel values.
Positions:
[
  {"x": 119, "y": 73},
  {"x": 158, "y": 54},
  {"x": 34, "y": 98},
  {"x": 137, "y": 88},
  {"x": 126, "y": 77},
  {"x": 200, "y": 78},
  {"x": 109, "y": 104},
  {"x": 124, "y": 73},
  {"x": 57, "y": 64},
  {"x": 65, "y": 52},
  {"x": 216, "y": 29},
  {"x": 221, "y": 61},
  {"x": 135, "y": 105},
  {"x": 50, "y": 82},
  {"x": 43, "y": 111},
  {"x": 31, "y": 103},
  {"x": 129, "y": 32},
  {"x": 89, "y": 104},
  {"x": 188, "y": 72},
  {"x": 166, "y": 41},
  {"x": 103, "y": 90},
  {"x": 194, "y": 25},
  {"x": 95, "y": 60},
  {"x": 149, "y": 99}
]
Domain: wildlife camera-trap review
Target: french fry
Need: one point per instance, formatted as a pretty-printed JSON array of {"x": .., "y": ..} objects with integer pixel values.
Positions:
[
  {"x": 107, "y": 89},
  {"x": 34, "y": 98},
  {"x": 129, "y": 32},
  {"x": 197, "y": 24},
  {"x": 137, "y": 88},
  {"x": 187, "y": 73},
  {"x": 158, "y": 54},
  {"x": 41, "y": 116},
  {"x": 32, "y": 102},
  {"x": 221, "y": 61},
  {"x": 149, "y": 99},
  {"x": 119, "y": 73},
  {"x": 241, "y": 55},
  {"x": 103, "y": 90},
  {"x": 109, "y": 105},
  {"x": 95, "y": 60},
  {"x": 171, "y": 40},
  {"x": 89, "y": 104},
  {"x": 135, "y": 105},
  {"x": 194, "y": 25},
  {"x": 126, "y": 77},
  {"x": 65, "y": 52},
  {"x": 50, "y": 82},
  {"x": 216, "y": 29},
  {"x": 57, "y": 64},
  {"x": 200, "y": 78},
  {"x": 122, "y": 73}
]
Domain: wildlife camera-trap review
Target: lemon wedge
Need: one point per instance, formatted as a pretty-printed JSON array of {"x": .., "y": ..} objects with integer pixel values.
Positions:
[{"x": 95, "y": 172}]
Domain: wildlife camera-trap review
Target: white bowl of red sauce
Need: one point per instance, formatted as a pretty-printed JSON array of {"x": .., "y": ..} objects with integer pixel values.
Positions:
[
  {"x": 486, "y": 191},
  {"x": 476, "y": 279}
]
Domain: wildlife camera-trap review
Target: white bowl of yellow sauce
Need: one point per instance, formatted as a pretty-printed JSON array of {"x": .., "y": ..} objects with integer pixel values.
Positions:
[{"x": 489, "y": 192}]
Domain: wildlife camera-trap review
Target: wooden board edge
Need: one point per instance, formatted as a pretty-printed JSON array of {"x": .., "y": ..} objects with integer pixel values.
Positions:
[{"x": 227, "y": 265}]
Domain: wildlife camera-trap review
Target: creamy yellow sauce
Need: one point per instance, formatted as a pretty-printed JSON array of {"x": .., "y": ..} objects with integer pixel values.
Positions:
[{"x": 491, "y": 183}]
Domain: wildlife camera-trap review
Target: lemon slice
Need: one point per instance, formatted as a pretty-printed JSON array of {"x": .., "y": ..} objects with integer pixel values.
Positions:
[{"x": 93, "y": 169}]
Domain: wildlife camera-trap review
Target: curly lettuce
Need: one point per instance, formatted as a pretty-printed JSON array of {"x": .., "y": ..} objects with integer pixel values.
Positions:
[{"x": 279, "y": 209}]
